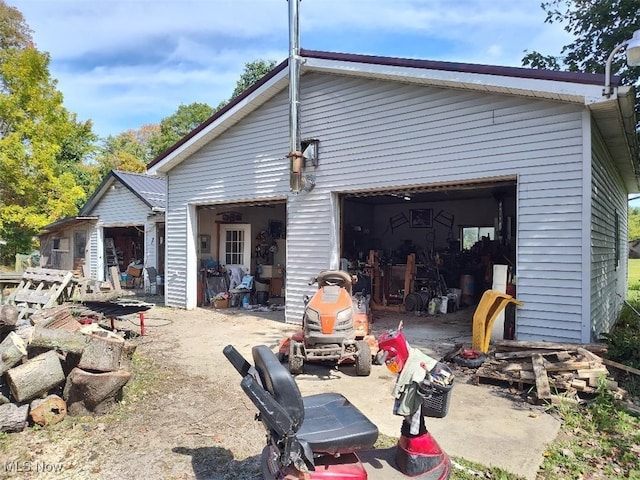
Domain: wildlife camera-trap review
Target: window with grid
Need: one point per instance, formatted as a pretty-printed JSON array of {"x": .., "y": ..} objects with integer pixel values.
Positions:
[{"x": 234, "y": 247}]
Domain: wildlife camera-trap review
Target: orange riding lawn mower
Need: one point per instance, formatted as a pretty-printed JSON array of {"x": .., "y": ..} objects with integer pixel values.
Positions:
[{"x": 335, "y": 326}]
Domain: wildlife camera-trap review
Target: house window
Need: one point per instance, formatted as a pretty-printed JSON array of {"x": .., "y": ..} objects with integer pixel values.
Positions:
[
  {"x": 472, "y": 235},
  {"x": 61, "y": 244}
]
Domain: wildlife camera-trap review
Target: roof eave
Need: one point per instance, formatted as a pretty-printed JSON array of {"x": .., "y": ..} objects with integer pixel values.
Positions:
[
  {"x": 550, "y": 89},
  {"x": 616, "y": 120}
]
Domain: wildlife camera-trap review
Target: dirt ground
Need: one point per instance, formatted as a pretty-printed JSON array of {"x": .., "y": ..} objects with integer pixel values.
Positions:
[{"x": 186, "y": 417}]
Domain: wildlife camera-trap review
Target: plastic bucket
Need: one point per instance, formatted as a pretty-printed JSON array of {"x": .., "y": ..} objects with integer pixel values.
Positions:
[
  {"x": 467, "y": 287},
  {"x": 262, "y": 297}
]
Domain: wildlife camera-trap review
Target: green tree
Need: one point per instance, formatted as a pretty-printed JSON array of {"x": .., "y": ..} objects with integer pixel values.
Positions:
[
  {"x": 129, "y": 151},
  {"x": 253, "y": 71},
  {"x": 14, "y": 32},
  {"x": 176, "y": 126},
  {"x": 34, "y": 190},
  {"x": 598, "y": 26},
  {"x": 189, "y": 117},
  {"x": 634, "y": 224}
]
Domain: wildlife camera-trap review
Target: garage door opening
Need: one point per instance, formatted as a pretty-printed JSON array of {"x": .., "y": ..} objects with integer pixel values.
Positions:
[
  {"x": 235, "y": 240},
  {"x": 454, "y": 233},
  {"x": 124, "y": 246}
]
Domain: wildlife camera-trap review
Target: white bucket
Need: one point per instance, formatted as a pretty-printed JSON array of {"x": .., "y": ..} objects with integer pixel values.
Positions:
[{"x": 443, "y": 304}]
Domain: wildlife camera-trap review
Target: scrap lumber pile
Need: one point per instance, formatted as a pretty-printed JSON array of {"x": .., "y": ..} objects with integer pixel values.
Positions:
[
  {"x": 553, "y": 368},
  {"x": 53, "y": 365}
]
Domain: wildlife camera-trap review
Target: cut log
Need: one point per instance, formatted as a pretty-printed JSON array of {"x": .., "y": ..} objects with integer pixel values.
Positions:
[
  {"x": 102, "y": 353},
  {"x": 8, "y": 317},
  {"x": 48, "y": 411},
  {"x": 542, "y": 381},
  {"x": 62, "y": 340},
  {"x": 93, "y": 392},
  {"x": 56, "y": 318},
  {"x": 12, "y": 350},
  {"x": 13, "y": 418},
  {"x": 35, "y": 377}
]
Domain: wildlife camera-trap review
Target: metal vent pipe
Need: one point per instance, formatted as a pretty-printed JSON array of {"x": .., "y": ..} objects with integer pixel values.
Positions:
[{"x": 296, "y": 182}]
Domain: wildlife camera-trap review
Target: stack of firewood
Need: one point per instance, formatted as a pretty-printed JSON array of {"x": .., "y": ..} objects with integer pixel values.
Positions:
[
  {"x": 51, "y": 364},
  {"x": 555, "y": 369}
]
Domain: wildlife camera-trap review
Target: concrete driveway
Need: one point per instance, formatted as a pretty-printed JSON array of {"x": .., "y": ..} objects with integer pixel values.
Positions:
[{"x": 486, "y": 423}]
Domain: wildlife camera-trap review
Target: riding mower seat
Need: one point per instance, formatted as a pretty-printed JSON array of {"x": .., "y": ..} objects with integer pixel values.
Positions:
[
  {"x": 334, "y": 426},
  {"x": 327, "y": 423}
]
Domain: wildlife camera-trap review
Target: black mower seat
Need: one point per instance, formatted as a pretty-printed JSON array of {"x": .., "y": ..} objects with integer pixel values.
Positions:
[
  {"x": 333, "y": 425},
  {"x": 327, "y": 421}
]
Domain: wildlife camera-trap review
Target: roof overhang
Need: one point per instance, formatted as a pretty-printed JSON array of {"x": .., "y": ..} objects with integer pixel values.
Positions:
[
  {"x": 614, "y": 116},
  {"x": 616, "y": 120},
  {"x": 66, "y": 223}
]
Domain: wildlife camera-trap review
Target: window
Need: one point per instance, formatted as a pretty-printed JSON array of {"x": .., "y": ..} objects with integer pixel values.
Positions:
[
  {"x": 61, "y": 244},
  {"x": 472, "y": 235},
  {"x": 235, "y": 245}
]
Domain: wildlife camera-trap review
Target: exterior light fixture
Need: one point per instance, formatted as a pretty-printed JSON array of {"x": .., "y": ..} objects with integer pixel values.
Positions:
[{"x": 633, "y": 60}]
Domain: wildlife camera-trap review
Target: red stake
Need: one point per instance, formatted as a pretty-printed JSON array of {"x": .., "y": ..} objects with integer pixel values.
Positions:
[{"x": 142, "y": 323}]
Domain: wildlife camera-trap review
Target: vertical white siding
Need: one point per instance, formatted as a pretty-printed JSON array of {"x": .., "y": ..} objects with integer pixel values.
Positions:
[
  {"x": 608, "y": 278},
  {"x": 376, "y": 135}
]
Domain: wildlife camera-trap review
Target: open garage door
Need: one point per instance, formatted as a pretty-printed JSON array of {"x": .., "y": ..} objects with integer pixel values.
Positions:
[
  {"x": 455, "y": 232},
  {"x": 239, "y": 239}
]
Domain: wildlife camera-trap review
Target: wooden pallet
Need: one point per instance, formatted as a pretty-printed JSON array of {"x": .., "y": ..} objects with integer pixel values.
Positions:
[
  {"x": 41, "y": 288},
  {"x": 549, "y": 367}
]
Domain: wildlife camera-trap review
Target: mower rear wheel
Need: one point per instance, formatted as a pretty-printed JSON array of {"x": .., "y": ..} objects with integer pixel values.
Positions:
[
  {"x": 363, "y": 359},
  {"x": 296, "y": 364}
]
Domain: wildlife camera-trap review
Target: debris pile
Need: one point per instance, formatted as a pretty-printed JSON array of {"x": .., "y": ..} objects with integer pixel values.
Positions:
[
  {"x": 51, "y": 364},
  {"x": 558, "y": 371}
]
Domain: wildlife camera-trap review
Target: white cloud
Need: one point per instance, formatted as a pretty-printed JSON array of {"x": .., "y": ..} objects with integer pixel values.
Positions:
[{"x": 124, "y": 61}]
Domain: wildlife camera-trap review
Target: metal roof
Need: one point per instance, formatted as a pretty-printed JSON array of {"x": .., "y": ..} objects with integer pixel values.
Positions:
[{"x": 148, "y": 188}]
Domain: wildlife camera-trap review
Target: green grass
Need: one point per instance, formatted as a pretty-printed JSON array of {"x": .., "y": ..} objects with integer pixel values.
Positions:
[{"x": 634, "y": 279}]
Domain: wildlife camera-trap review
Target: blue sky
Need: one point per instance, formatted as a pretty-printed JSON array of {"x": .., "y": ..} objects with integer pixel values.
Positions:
[{"x": 124, "y": 64}]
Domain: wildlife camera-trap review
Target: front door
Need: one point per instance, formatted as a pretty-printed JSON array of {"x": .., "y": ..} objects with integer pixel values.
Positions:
[{"x": 235, "y": 245}]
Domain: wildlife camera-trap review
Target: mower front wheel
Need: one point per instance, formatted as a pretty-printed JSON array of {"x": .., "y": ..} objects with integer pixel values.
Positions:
[
  {"x": 296, "y": 363},
  {"x": 363, "y": 359}
]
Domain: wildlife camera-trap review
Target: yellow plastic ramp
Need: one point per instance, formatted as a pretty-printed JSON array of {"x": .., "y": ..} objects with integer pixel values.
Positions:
[{"x": 491, "y": 304}]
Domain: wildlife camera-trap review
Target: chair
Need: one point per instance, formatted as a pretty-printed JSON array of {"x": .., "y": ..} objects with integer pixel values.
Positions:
[
  {"x": 490, "y": 305},
  {"x": 325, "y": 423},
  {"x": 245, "y": 287},
  {"x": 151, "y": 284}
]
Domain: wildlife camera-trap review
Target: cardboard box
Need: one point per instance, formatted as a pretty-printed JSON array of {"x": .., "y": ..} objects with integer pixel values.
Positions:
[
  {"x": 221, "y": 302},
  {"x": 271, "y": 271},
  {"x": 133, "y": 271}
]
